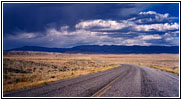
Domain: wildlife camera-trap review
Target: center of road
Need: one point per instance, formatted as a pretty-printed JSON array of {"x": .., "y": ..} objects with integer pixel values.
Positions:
[{"x": 105, "y": 88}]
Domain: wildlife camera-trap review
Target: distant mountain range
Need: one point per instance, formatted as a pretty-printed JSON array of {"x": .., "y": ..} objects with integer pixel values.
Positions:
[{"x": 105, "y": 49}]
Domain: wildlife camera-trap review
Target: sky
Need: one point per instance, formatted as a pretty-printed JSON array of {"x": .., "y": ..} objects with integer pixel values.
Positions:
[{"x": 65, "y": 25}]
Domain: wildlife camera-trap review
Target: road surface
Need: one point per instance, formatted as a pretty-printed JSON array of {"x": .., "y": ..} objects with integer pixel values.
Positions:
[{"x": 124, "y": 81}]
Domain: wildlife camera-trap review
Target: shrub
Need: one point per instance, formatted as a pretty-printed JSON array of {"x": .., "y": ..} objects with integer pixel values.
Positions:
[
  {"x": 52, "y": 76},
  {"x": 55, "y": 67},
  {"x": 34, "y": 69},
  {"x": 41, "y": 68},
  {"x": 45, "y": 83}
]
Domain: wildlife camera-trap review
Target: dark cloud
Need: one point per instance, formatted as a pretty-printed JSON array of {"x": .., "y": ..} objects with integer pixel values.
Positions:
[
  {"x": 37, "y": 17},
  {"x": 123, "y": 35},
  {"x": 54, "y": 25}
]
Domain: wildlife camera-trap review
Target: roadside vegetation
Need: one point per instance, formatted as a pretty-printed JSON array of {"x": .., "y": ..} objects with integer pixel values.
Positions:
[
  {"x": 30, "y": 69},
  {"x": 164, "y": 62},
  {"x": 25, "y": 72},
  {"x": 174, "y": 70}
]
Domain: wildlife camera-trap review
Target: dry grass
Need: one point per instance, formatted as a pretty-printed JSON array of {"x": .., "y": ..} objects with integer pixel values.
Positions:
[
  {"x": 30, "y": 69},
  {"x": 26, "y": 71},
  {"x": 165, "y": 62},
  {"x": 173, "y": 70}
]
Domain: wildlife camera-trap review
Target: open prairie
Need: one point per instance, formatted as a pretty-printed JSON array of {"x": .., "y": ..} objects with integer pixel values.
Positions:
[{"x": 30, "y": 69}]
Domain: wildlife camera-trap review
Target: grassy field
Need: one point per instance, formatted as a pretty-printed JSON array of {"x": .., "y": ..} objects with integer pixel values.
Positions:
[
  {"x": 30, "y": 69},
  {"x": 165, "y": 62}
]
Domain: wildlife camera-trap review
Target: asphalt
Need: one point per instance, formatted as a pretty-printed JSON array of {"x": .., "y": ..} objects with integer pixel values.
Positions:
[{"x": 124, "y": 81}]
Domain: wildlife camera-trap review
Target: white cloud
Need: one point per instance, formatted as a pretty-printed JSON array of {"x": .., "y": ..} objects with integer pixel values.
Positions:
[
  {"x": 158, "y": 16},
  {"x": 99, "y": 24},
  {"x": 144, "y": 20},
  {"x": 175, "y": 32},
  {"x": 103, "y": 24},
  {"x": 161, "y": 17},
  {"x": 150, "y": 37},
  {"x": 24, "y": 35},
  {"x": 65, "y": 37},
  {"x": 169, "y": 38},
  {"x": 28, "y": 35},
  {"x": 152, "y": 16},
  {"x": 135, "y": 41},
  {"x": 64, "y": 28},
  {"x": 157, "y": 27},
  {"x": 149, "y": 12}
]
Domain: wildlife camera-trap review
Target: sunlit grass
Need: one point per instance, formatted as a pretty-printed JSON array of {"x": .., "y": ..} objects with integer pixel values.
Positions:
[
  {"x": 167, "y": 69},
  {"x": 24, "y": 73}
]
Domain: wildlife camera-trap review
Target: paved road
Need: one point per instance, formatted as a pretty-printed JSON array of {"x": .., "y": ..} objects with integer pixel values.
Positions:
[{"x": 124, "y": 81}]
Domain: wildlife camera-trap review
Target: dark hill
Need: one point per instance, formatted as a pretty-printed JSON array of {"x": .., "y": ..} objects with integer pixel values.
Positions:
[{"x": 105, "y": 49}]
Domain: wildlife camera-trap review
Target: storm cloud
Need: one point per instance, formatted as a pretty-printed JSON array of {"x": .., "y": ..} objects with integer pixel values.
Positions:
[{"x": 67, "y": 25}]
